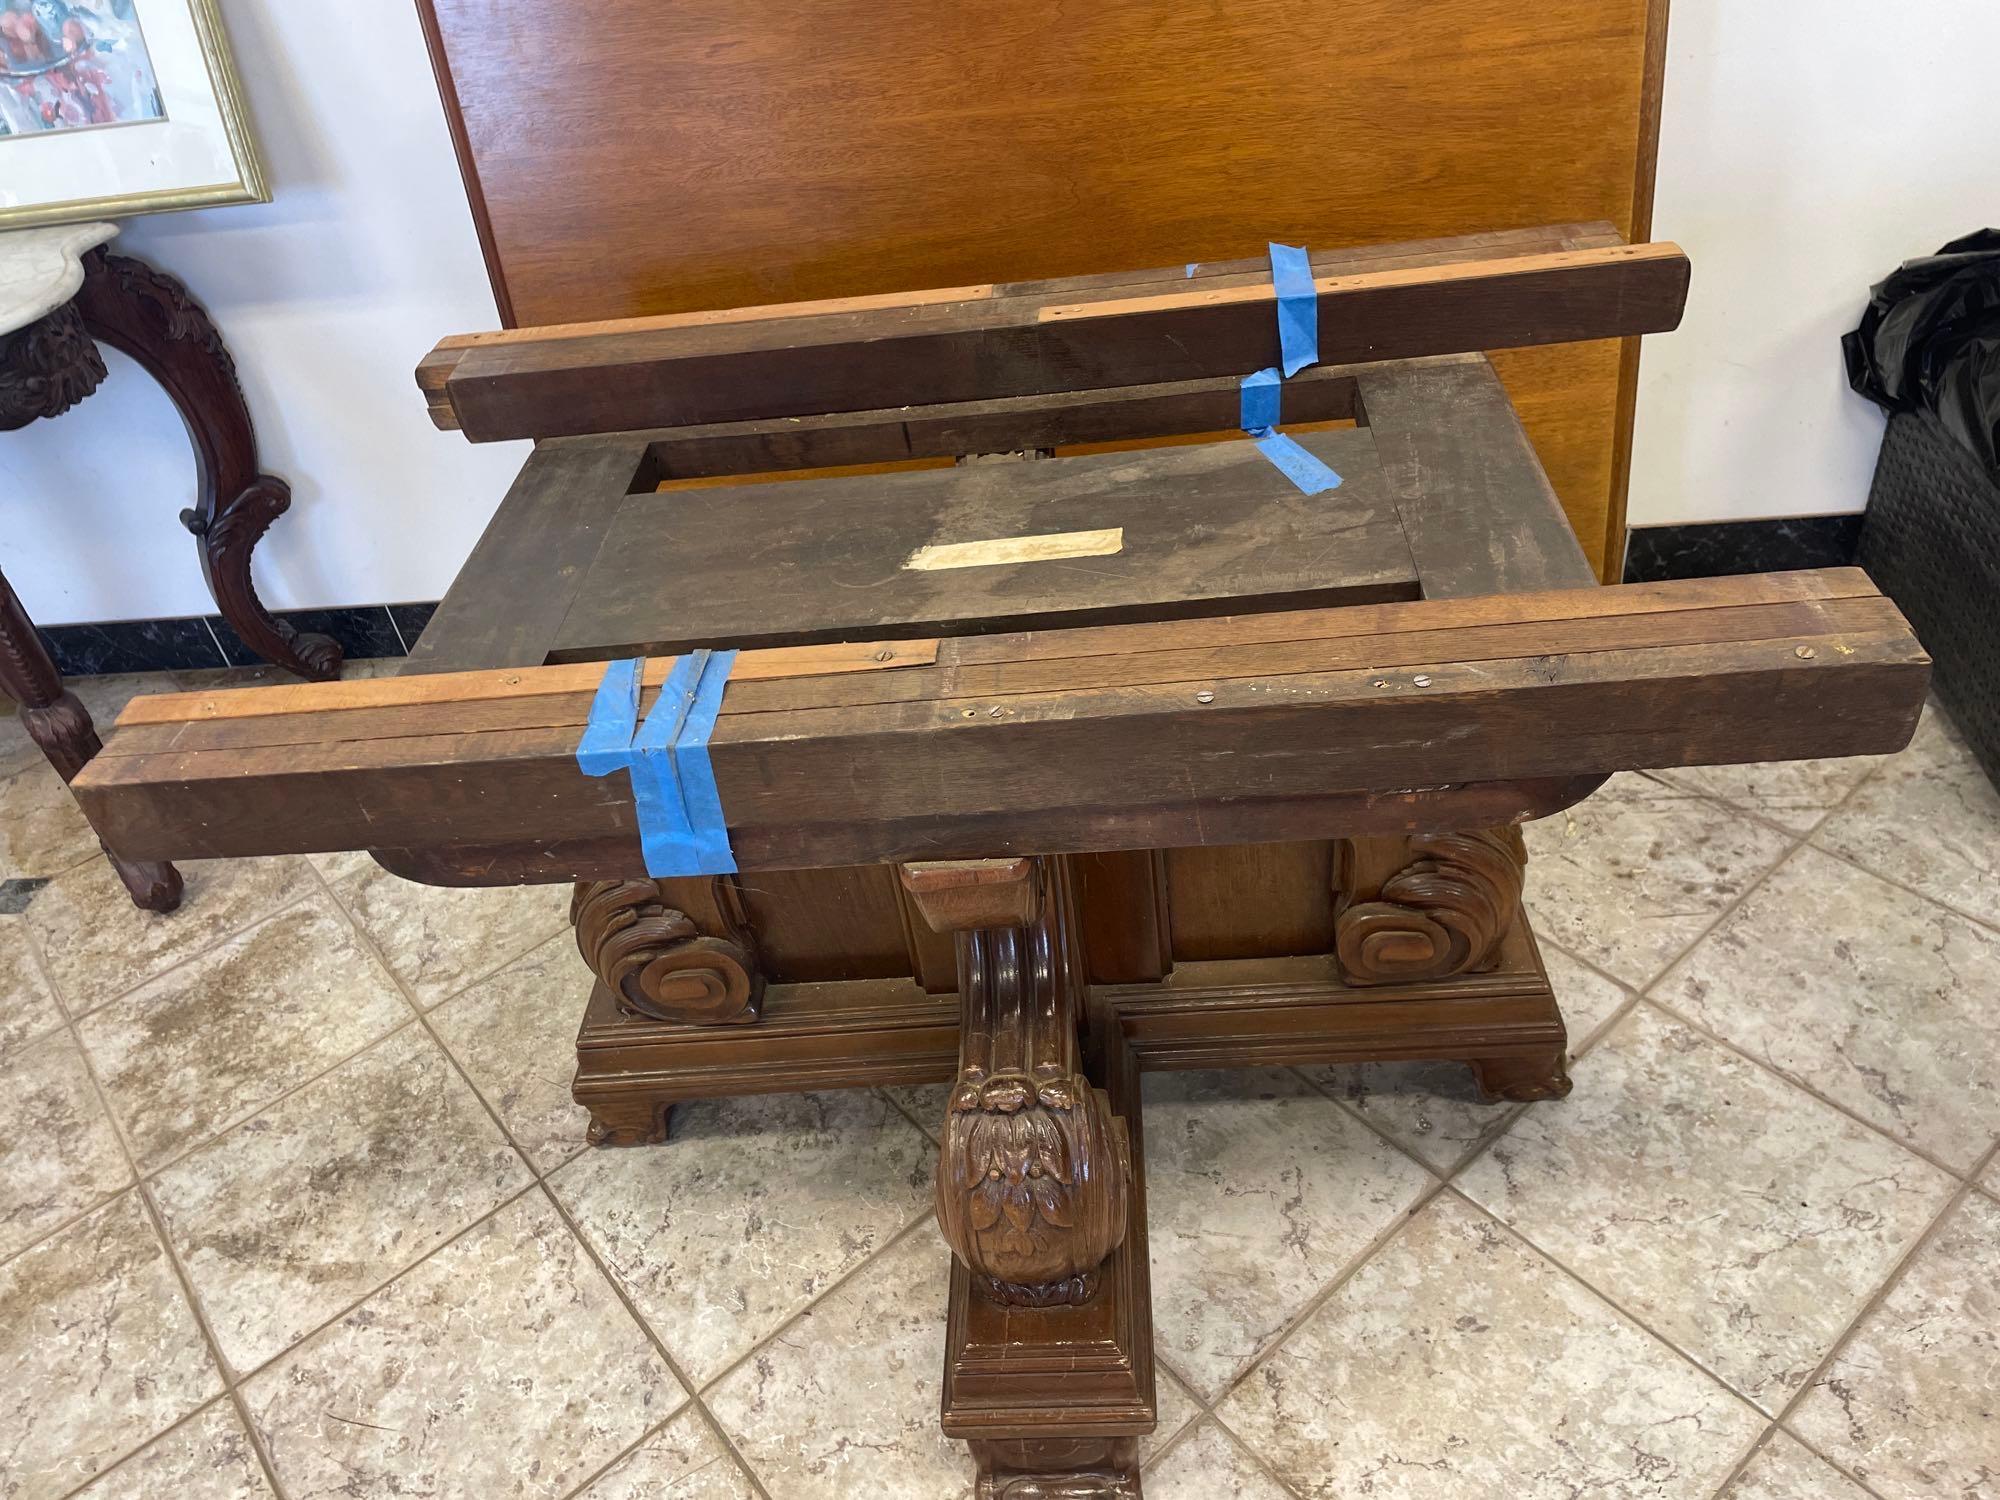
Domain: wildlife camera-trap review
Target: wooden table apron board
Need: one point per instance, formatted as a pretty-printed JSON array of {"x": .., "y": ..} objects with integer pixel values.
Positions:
[{"x": 1067, "y": 738}]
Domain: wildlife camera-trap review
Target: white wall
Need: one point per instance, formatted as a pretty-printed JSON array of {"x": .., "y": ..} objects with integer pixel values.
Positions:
[
  {"x": 329, "y": 296},
  {"x": 1788, "y": 184},
  {"x": 1808, "y": 147}
]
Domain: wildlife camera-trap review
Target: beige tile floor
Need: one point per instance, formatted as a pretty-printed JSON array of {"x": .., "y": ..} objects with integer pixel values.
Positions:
[{"x": 293, "y": 1199}]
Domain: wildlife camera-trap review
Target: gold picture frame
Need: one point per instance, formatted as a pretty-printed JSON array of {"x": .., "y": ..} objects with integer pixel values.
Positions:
[{"x": 249, "y": 184}]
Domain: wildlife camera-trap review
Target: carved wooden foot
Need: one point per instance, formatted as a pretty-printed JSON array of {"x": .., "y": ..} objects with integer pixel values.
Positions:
[
  {"x": 636, "y": 1122},
  {"x": 60, "y": 725},
  {"x": 1523, "y": 1080},
  {"x": 1425, "y": 906},
  {"x": 692, "y": 963},
  {"x": 1058, "y": 1469},
  {"x": 150, "y": 316},
  {"x": 1032, "y": 1185}
]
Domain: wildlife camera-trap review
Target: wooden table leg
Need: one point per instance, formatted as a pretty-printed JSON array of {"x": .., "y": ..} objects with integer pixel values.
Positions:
[
  {"x": 1049, "y": 1357},
  {"x": 677, "y": 951},
  {"x": 61, "y": 726},
  {"x": 149, "y": 315},
  {"x": 1435, "y": 906}
]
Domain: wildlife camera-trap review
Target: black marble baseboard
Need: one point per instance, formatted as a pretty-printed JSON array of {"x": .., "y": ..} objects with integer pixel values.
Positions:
[
  {"x": 1714, "y": 549},
  {"x": 196, "y": 641}
]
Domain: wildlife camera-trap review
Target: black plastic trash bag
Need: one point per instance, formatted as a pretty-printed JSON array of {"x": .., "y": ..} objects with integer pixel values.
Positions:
[{"x": 1930, "y": 340}]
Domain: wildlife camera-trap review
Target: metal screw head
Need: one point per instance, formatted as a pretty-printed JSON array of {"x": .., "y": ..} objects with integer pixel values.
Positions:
[
  {"x": 1204, "y": 696},
  {"x": 885, "y": 654},
  {"x": 1805, "y": 652},
  {"x": 1421, "y": 681}
]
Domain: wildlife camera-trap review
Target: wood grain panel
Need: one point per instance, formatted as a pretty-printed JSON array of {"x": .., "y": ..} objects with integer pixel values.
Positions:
[{"x": 634, "y": 157}]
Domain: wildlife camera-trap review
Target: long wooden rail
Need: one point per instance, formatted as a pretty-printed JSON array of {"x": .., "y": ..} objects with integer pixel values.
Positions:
[
  {"x": 982, "y": 343},
  {"x": 859, "y": 753}
]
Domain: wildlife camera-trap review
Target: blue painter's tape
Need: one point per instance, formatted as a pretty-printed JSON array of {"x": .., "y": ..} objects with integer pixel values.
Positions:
[
  {"x": 1296, "y": 464},
  {"x": 1260, "y": 401},
  {"x": 1193, "y": 266},
  {"x": 699, "y": 793},
  {"x": 606, "y": 745},
  {"x": 1298, "y": 308},
  {"x": 665, "y": 836},
  {"x": 674, "y": 796}
]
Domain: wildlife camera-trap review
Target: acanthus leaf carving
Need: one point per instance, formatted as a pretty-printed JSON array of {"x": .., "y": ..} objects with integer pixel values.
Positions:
[{"x": 47, "y": 367}]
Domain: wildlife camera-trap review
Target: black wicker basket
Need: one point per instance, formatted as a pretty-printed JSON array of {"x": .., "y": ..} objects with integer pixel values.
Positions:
[{"x": 1931, "y": 542}]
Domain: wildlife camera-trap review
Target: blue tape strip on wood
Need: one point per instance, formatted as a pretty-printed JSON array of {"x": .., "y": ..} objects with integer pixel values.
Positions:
[
  {"x": 606, "y": 745},
  {"x": 1260, "y": 402},
  {"x": 1298, "y": 308},
  {"x": 700, "y": 796},
  {"x": 1298, "y": 336},
  {"x": 1296, "y": 464},
  {"x": 674, "y": 795}
]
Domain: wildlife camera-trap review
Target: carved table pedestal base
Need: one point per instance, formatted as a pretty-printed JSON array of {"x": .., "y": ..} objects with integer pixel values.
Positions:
[{"x": 1041, "y": 989}]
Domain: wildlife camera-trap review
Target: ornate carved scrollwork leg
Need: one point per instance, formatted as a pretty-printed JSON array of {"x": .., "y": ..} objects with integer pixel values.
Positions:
[
  {"x": 658, "y": 962},
  {"x": 60, "y": 725},
  {"x": 1032, "y": 1187},
  {"x": 149, "y": 315},
  {"x": 1424, "y": 906}
]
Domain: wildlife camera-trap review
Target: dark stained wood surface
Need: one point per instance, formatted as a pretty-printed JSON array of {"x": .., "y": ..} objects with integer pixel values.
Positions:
[
  {"x": 1199, "y": 529},
  {"x": 1477, "y": 507},
  {"x": 511, "y": 595},
  {"x": 982, "y": 342},
  {"x": 1139, "y": 720}
]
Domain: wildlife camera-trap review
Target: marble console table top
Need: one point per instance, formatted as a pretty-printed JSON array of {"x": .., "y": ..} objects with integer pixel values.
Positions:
[{"x": 41, "y": 269}]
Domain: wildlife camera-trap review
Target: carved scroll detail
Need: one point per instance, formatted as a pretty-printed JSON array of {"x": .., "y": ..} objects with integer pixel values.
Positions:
[
  {"x": 1424, "y": 907},
  {"x": 659, "y": 964},
  {"x": 1032, "y": 1189}
]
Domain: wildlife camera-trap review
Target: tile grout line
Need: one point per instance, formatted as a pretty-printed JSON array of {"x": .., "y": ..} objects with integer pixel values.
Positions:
[
  {"x": 223, "y": 1370},
  {"x": 539, "y": 1180},
  {"x": 1721, "y": 1491},
  {"x": 230, "y": 1383},
  {"x": 1799, "y": 841},
  {"x": 1986, "y": 924},
  {"x": 916, "y": 1223},
  {"x": 1443, "y": 1183},
  {"x": 1766, "y": 1066},
  {"x": 1686, "y": 1356},
  {"x": 1440, "y": 1183},
  {"x": 693, "y": 1391},
  {"x": 1802, "y": 841},
  {"x": 1874, "y": 1304}
]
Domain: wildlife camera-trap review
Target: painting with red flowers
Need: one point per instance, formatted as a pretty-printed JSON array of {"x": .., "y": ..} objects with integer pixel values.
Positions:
[{"x": 74, "y": 65}]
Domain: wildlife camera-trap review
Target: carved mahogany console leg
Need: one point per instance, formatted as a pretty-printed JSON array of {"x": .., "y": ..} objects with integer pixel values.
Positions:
[
  {"x": 149, "y": 315},
  {"x": 1424, "y": 906},
  {"x": 1041, "y": 1196},
  {"x": 60, "y": 725}
]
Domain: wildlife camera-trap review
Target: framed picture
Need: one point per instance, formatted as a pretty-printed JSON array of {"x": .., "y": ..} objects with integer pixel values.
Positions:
[{"x": 118, "y": 107}]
